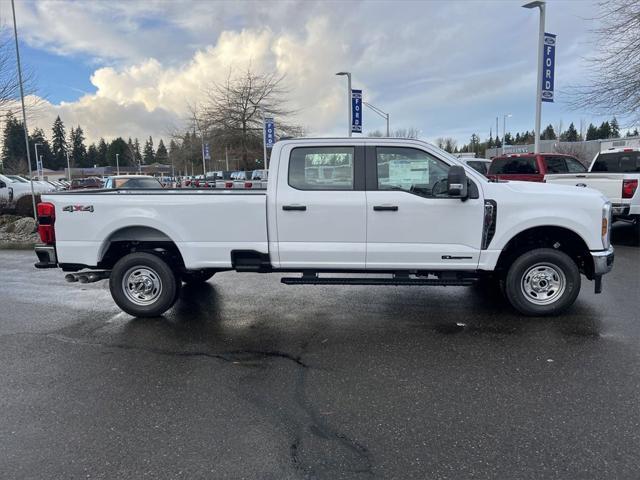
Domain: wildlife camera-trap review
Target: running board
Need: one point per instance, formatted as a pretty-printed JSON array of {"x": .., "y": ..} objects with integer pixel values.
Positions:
[{"x": 313, "y": 280}]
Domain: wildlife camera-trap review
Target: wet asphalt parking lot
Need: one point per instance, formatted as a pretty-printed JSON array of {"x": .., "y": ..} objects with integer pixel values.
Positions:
[{"x": 249, "y": 378}]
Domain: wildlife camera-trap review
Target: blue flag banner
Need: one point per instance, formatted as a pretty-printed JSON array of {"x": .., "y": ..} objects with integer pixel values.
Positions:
[
  {"x": 356, "y": 111},
  {"x": 207, "y": 155},
  {"x": 269, "y": 132},
  {"x": 548, "y": 69}
]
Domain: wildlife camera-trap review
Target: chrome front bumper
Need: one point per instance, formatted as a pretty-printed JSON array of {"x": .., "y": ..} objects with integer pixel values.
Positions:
[
  {"x": 46, "y": 256},
  {"x": 602, "y": 261}
]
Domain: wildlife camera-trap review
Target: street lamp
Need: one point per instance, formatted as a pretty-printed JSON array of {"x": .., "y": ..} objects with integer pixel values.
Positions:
[
  {"x": 348, "y": 75},
  {"x": 504, "y": 128},
  {"x": 37, "y": 157},
  {"x": 381, "y": 113},
  {"x": 541, "y": 5},
  {"x": 117, "y": 164}
]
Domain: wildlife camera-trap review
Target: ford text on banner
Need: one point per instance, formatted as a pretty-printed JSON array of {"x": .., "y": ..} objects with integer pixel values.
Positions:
[
  {"x": 356, "y": 111},
  {"x": 549, "y": 59},
  {"x": 269, "y": 132},
  {"x": 207, "y": 155}
]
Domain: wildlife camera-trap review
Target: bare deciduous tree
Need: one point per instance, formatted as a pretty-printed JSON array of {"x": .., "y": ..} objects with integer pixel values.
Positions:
[
  {"x": 232, "y": 114},
  {"x": 9, "y": 85},
  {"x": 613, "y": 85}
]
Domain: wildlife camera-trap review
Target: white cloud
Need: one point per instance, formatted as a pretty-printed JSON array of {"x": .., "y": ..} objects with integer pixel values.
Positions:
[{"x": 446, "y": 68}]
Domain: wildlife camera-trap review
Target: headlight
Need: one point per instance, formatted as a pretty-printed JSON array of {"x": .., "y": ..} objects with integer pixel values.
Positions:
[{"x": 606, "y": 225}]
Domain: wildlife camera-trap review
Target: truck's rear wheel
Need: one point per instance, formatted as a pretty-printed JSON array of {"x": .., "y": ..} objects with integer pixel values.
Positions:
[
  {"x": 143, "y": 285},
  {"x": 542, "y": 282}
]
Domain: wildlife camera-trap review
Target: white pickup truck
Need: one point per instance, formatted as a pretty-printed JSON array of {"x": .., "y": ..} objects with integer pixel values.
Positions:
[
  {"x": 13, "y": 189},
  {"x": 403, "y": 210},
  {"x": 615, "y": 173}
]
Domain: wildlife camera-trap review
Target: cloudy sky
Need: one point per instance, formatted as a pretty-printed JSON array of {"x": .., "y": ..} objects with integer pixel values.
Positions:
[{"x": 447, "y": 68}]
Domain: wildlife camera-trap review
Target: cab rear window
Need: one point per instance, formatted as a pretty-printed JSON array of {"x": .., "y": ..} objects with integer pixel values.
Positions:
[
  {"x": 514, "y": 165},
  {"x": 617, "y": 162}
]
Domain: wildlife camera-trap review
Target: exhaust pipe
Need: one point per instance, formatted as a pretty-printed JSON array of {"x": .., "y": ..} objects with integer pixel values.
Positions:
[{"x": 88, "y": 277}]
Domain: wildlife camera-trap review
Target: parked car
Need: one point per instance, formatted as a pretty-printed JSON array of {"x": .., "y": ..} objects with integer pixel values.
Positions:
[
  {"x": 224, "y": 179},
  {"x": 615, "y": 173},
  {"x": 132, "y": 182},
  {"x": 258, "y": 180},
  {"x": 529, "y": 167},
  {"x": 400, "y": 212},
  {"x": 85, "y": 183},
  {"x": 242, "y": 179}
]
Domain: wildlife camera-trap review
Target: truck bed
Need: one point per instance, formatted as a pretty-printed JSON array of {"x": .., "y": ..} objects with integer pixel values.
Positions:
[
  {"x": 609, "y": 184},
  {"x": 205, "y": 225}
]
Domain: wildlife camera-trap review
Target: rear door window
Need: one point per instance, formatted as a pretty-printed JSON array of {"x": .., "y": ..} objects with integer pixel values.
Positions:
[
  {"x": 555, "y": 164},
  {"x": 321, "y": 168},
  {"x": 514, "y": 166},
  {"x": 574, "y": 165}
]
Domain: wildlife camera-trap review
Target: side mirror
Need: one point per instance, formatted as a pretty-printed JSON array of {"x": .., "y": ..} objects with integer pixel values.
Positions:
[
  {"x": 2, "y": 184},
  {"x": 457, "y": 182}
]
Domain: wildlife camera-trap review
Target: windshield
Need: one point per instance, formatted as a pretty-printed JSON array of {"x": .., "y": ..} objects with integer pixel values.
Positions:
[
  {"x": 18, "y": 178},
  {"x": 137, "y": 183},
  {"x": 617, "y": 162}
]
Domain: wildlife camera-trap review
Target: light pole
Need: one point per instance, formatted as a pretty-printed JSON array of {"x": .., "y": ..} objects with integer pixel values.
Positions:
[
  {"x": 541, "y": 5},
  {"x": 24, "y": 112},
  {"x": 37, "y": 157},
  {"x": 504, "y": 128},
  {"x": 379, "y": 112},
  {"x": 348, "y": 75},
  {"x": 117, "y": 164},
  {"x": 68, "y": 166}
]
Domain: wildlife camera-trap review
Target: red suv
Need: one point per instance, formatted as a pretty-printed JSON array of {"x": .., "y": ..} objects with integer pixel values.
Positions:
[{"x": 530, "y": 167}]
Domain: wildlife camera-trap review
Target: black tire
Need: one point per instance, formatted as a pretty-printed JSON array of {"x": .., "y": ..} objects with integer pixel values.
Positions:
[
  {"x": 158, "y": 285},
  {"x": 542, "y": 282},
  {"x": 196, "y": 276}
]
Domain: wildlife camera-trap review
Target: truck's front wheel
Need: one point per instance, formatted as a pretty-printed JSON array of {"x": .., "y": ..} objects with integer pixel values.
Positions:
[
  {"x": 143, "y": 285},
  {"x": 542, "y": 282}
]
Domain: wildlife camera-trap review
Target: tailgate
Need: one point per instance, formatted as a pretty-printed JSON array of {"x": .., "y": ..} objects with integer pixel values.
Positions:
[{"x": 610, "y": 185}]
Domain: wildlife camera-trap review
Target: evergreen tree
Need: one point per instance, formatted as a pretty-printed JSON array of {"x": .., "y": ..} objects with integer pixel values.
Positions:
[
  {"x": 103, "y": 149},
  {"x": 632, "y": 134},
  {"x": 118, "y": 146},
  {"x": 615, "y": 128},
  {"x": 148, "y": 155},
  {"x": 131, "y": 153},
  {"x": 571, "y": 135},
  {"x": 161, "y": 154},
  {"x": 518, "y": 139},
  {"x": 507, "y": 139},
  {"x": 604, "y": 131},
  {"x": 548, "y": 133},
  {"x": 592, "y": 132},
  {"x": 490, "y": 141},
  {"x": 136, "y": 149},
  {"x": 14, "y": 157},
  {"x": 93, "y": 157},
  {"x": 59, "y": 143},
  {"x": 78, "y": 148},
  {"x": 44, "y": 150}
]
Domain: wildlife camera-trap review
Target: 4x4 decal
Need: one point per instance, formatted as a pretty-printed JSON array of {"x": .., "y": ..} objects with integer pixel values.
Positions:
[{"x": 78, "y": 208}]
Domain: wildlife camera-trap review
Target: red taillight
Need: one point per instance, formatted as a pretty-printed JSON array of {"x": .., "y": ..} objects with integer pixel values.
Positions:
[
  {"x": 629, "y": 187},
  {"x": 228, "y": 185},
  {"x": 46, "y": 219},
  {"x": 248, "y": 185}
]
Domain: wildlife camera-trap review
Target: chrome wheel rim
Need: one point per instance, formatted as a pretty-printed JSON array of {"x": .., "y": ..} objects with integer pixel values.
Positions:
[
  {"x": 142, "y": 285},
  {"x": 543, "y": 284}
]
